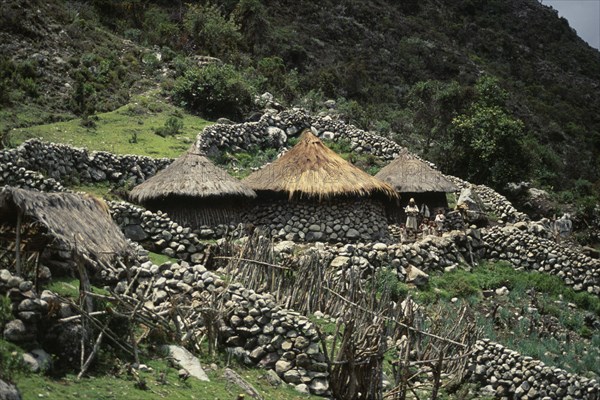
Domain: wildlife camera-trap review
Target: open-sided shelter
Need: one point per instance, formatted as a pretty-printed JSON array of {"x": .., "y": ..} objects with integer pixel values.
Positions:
[
  {"x": 413, "y": 178},
  {"x": 194, "y": 192},
  {"x": 311, "y": 193},
  {"x": 74, "y": 224}
]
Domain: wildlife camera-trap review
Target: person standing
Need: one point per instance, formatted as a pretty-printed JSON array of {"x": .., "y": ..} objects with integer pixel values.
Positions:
[
  {"x": 412, "y": 211},
  {"x": 440, "y": 219}
]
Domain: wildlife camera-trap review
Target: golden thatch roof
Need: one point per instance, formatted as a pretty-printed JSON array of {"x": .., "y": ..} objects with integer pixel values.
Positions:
[
  {"x": 191, "y": 175},
  {"x": 408, "y": 174},
  {"x": 80, "y": 222},
  {"x": 312, "y": 170}
]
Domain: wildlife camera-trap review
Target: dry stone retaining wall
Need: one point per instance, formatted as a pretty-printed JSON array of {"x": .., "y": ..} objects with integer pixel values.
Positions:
[
  {"x": 70, "y": 164},
  {"x": 14, "y": 175},
  {"x": 509, "y": 375},
  {"x": 157, "y": 231},
  {"x": 255, "y": 328},
  {"x": 273, "y": 130},
  {"x": 531, "y": 252}
]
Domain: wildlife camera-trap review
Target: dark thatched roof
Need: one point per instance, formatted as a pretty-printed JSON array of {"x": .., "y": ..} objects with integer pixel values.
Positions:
[
  {"x": 82, "y": 223},
  {"x": 312, "y": 170},
  {"x": 191, "y": 175},
  {"x": 408, "y": 174}
]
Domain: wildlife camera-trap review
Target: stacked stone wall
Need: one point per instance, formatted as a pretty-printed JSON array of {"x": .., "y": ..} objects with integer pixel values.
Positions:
[
  {"x": 343, "y": 220},
  {"x": 506, "y": 374},
  {"x": 65, "y": 163}
]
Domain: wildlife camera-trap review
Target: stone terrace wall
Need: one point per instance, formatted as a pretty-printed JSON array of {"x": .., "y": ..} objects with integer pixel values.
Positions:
[
  {"x": 509, "y": 375},
  {"x": 522, "y": 246},
  {"x": 273, "y": 130},
  {"x": 255, "y": 328},
  {"x": 14, "y": 175},
  {"x": 431, "y": 254},
  {"x": 158, "y": 232},
  {"x": 66, "y": 164},
  {"x": 529, "y": 251},
  {"x": 344, "y": 220}
]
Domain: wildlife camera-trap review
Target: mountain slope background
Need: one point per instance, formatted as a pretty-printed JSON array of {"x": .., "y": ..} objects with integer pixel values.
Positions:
[{"x": 493, "y": 91}]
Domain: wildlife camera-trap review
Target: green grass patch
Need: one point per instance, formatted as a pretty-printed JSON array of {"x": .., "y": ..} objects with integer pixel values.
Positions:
[
  {"x": 242, "y": 164},
  {"x": 130, "y": 129},
  {"x": 101, "y": 190},
  {"x": 161, "y": 383},
  {"x": 159, "y": 259},
  {"x": 69, "y": 287},
  {"x": 492, "y": 275}
]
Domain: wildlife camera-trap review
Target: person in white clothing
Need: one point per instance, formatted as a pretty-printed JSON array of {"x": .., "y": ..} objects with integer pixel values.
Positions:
[
  {"x": 412, "y": 211},
  {"x": 440, "y": 219}
]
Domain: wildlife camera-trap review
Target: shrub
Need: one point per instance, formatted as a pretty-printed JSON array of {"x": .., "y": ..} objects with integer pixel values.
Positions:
[
  {"x": 172, "y": 127},
  {"x": 211, "y": 30},
  {"x": 214, "y": 91}
]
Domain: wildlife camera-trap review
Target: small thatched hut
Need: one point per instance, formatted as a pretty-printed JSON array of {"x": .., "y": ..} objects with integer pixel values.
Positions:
[
  {"x": 413, "y": 178},
  {"x": 80, "y": 225},
  {"x": 311, "y": 193},
  {"x": 194, "y": 192}
]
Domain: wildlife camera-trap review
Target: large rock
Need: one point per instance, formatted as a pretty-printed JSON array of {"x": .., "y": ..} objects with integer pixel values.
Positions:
[
  {"x": 8, "y": 392},
  {"x": 185, "y": 359},
  {"x": 135, "y": 233},
  {"x": 340, "y": 261},
  {"x": 38, "y": 360},
  {"x": 470, "y": 200},
  {"x": 234, "y": 378},
  {"x": 15, "y": 331},
  {"x": 415, "y": 276}
]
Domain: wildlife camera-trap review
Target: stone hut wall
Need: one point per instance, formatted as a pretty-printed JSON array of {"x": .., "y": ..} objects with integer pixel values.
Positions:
[{"x": 330, "y": 221}]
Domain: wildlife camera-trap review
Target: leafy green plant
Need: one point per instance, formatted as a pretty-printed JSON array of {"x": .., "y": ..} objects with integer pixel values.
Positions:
[
  {"x": 5, "y": 310},
  {"x": 172, "y": 127},
  {"x": 11, "y": 361},
  {"x": 214, "y": 91}
]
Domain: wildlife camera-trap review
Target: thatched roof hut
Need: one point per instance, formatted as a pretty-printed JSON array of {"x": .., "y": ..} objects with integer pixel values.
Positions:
[
  {"x": 191, "y": 175},
  {"x": 310, "y": 170},
  {"x": 79, "y": 223},
  {"x": 193, "y": 191},
  {"x": 412, "y": 177},
  {"x": 312, "y": 194}
]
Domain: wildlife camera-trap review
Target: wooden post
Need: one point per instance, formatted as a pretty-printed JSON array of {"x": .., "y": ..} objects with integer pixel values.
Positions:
[
  {"x": 18, "y": 244},
  {"x": 84, "y": 283}
]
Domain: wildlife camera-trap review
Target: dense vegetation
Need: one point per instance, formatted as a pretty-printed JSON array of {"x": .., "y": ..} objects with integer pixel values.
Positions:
[{"x": 492, "y": 91}]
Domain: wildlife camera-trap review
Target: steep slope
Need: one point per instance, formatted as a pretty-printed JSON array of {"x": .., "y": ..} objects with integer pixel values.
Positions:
[{"x": 409, "y": 70}]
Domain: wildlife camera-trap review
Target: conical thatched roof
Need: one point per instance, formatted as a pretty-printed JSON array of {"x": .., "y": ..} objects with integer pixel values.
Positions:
[
  {"x": 408, "y": 174},
  {"x": 312, "y": 170},
  {"x": 80, "y": 222},
  {"x": 191, "y": 175}
]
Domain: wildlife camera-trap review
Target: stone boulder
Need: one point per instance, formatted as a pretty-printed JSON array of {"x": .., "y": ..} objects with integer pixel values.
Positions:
[
  {"x": 8, "y": 392},
  {"x": 186, "y": 360},
  {"x": 415, "y": 276}
]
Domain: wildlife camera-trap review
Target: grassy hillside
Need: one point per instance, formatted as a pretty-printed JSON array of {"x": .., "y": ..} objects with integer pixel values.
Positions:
[
  {"x": 130, "y": 129},
  {"x": 406, "y": 69}
]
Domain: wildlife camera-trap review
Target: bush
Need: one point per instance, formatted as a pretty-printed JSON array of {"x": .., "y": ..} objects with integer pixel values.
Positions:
[
  {"x": 173, "y": 126},
  {"x": 210, "y": 30},
  {"x": 214, "y": 91}
]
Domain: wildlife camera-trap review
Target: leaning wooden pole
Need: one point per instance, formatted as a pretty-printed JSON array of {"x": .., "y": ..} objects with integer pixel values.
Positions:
[{"x": 18, "y": 244}]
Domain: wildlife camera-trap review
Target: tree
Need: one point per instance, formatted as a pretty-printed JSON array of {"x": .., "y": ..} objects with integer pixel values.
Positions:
[
  {"x": 210, "y": 30},
  {"x": 434, "y": 104},
  {"x": 215, "y": 91},
  {"x": 485, "y": 144}
]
